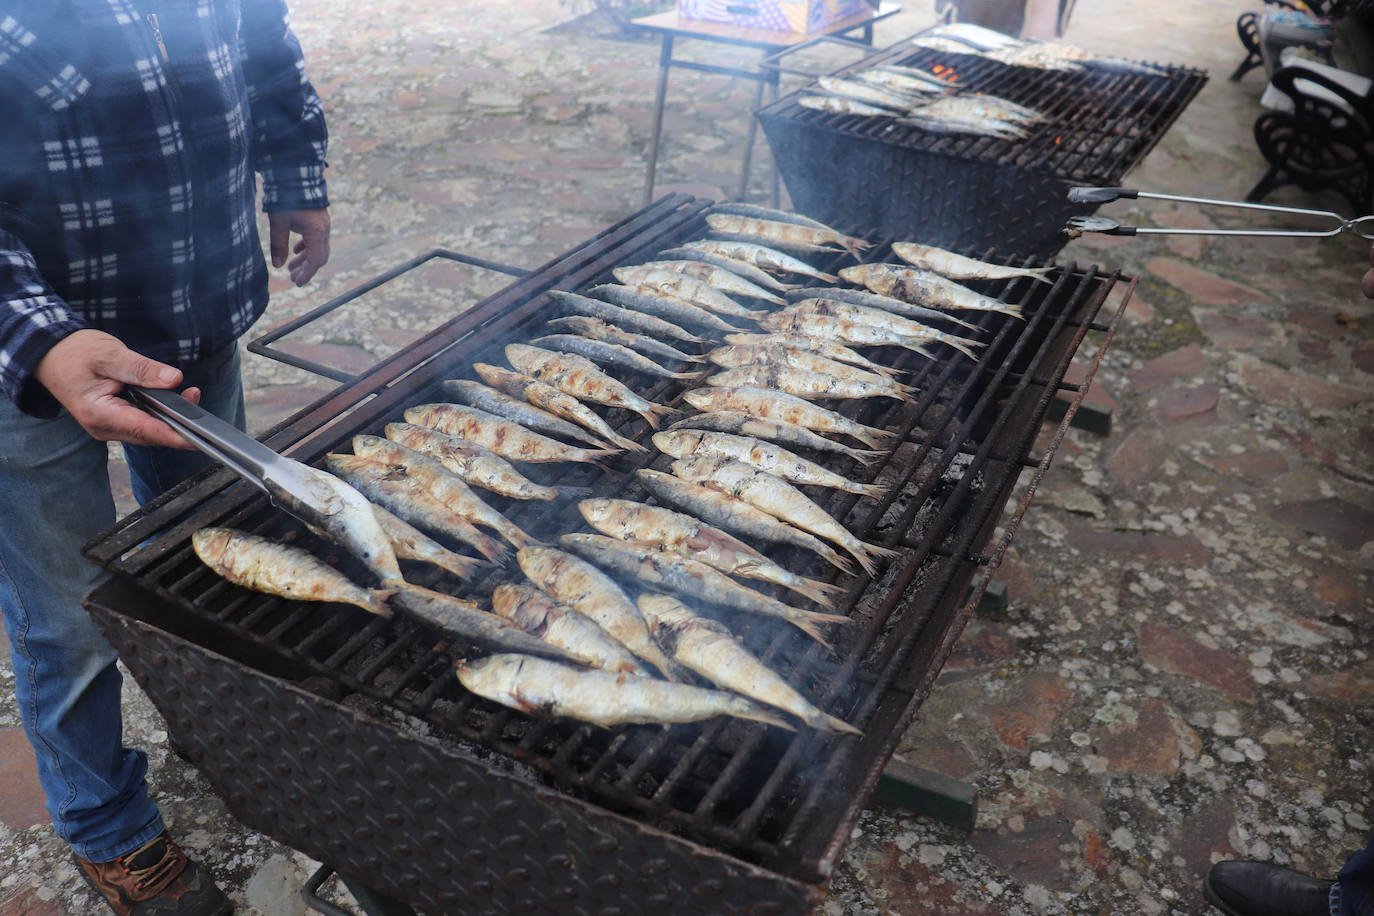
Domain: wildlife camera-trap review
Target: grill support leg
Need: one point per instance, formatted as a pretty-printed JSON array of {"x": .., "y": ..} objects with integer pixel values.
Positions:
[{"x": 928, "y": 794}]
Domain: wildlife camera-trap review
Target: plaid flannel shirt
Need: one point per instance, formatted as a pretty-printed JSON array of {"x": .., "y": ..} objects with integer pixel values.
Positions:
[{"x": 127, "y": 155}]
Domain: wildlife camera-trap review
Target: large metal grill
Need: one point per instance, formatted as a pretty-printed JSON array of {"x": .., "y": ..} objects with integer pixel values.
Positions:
[
  {"x": 959, "y": 190},
  {"x": 435, "y": 796}
]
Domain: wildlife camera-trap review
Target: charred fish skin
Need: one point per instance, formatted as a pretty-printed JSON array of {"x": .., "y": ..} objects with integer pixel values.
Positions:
[
  {"x": 607, "y": 354},
  {"x": 755, "y": 211},
  {"x": 278, "y": 569},
  {"x": 761, "y": 256},
  {"x": 661, "y": 305},
  {"x": 410, "y": 543},
  {"x": 554, "y": 401},
  {"x": 924, "y": 287},
  {"x": 855, "y": 333},
  {"x": 441, "y": 483},
  {"x": 733, "y": 421},
  {"x": 682, "y": 286},
  {"x": 821, "y": 346},
  {"x": 502, "y": 404},
  {"x": 507, "y": 439},
  {"x": 735, "y": 515},
  {"x": 696, "y": 540},
  {"x": 344, "y": 516},
  {"x": 735, "y": 266},
  {"x": 727, "y": 281},
  {"x": 473, "y": 624},
  {"x": 779, "y": 498},
  {"x": 580, "y": 377},
  {"x": 530, "y": 610},
  {"x": 589, "y": 591},
  {"x": 708, "y": 648},
  {"x": 778, "y": 405},
  {"x": 781, "y": 353},
  {"x": 875, "y": 301},
  {"x": 765, "y": 456},
  {"x": 688, "y": 577},
  {"x": 804, "y": 383},
  {"x": 623, "y": 317},
  {"x": 476, "y": 465},
  {"x": 879, "y": 318},
  {"x": 844, "y": 105},
  {"x": 597, "y": 329},
  {"x": 958, "y": 267},
  {"x": 790, "y": 234},
  {"x": 397, "y": 490},
  {"x": 538, "y": 686}
]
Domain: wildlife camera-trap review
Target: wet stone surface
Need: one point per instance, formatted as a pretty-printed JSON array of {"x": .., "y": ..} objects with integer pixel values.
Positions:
[{"x": 1183, "y": 671}]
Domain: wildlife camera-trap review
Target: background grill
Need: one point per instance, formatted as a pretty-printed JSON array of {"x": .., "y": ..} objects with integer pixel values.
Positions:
[{"x": 386, "y": 768}]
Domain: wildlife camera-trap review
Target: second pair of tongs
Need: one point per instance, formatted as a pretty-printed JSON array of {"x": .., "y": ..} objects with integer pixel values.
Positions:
[{"x": 1362, "y": 226}]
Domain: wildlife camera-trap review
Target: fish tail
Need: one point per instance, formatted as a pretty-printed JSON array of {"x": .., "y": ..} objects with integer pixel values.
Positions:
[
  {"x": 825, "y": 277},
  {"x": 377, "y": 598},
  {"x": 571, "y": 492},
  {"x": 865, "y": 456},
  {"x": 829, "y": 723},
  {"x": 518, "y": 537},
  {"x": 834, "y": 559},
  {"x": 595, "y": 454},
  {"x": 874, "y": 436},
  {"x": 867, "y": 489},
  {"x": 962, "y": 347},
  {"x": 459, "y": 565},
  {"x": 1012, "y": 310},
  {"x": 855, "y": 247},
  {"x": 655, "y": 414},
  {"x": 869, "y": 554},
  {"x": 1039, "y": 273},
  {"x": 681, "y": 375},
  {"x": 488, "y": 547},
  {"x": 630, "y": 444},
  {"x": 810, "y": 629},
  {"x": 591, "y": 440},
  {"x": 823, "y": 593}
]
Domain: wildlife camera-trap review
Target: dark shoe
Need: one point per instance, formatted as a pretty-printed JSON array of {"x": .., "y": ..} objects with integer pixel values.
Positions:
[
  {"x": 155, "y": 879},
  {"x": 1261, "y": 889}
]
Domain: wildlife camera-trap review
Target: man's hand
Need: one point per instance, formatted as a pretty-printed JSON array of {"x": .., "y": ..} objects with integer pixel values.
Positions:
[
  {"x": 1367, "y": 284},
  {"x": 88, "y": 369},
  {"x": 312, "y": 251}
]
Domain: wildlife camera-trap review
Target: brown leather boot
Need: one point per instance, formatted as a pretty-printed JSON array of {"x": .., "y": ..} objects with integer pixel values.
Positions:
[{"x": 156, "y": 879}]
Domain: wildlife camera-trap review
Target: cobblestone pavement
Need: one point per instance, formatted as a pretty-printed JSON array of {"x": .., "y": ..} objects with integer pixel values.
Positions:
[{"x": 1183, "y": 673}]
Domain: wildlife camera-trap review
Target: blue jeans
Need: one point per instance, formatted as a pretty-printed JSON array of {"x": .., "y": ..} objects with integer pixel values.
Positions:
[{"x": 54, "y": 496}]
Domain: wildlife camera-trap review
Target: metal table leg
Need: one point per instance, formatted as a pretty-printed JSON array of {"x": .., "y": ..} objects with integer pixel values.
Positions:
[
  {"x": 665, "y": 62},
  {"x": 775, "y": 189}
]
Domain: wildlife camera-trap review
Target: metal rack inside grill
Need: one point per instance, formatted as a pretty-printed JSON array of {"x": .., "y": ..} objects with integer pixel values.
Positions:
[
  {"x": 965, "y": 191},
  {"x": 785, "y": 802}
]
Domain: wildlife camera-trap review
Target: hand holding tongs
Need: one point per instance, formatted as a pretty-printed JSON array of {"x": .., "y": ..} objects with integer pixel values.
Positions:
[{"x": 1362, "y": 226}]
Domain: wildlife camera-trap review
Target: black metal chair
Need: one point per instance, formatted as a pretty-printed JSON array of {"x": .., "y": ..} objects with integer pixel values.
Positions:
[
  {"x": 1247, "y": 27},
  {"x": 1319, "y": 145}
]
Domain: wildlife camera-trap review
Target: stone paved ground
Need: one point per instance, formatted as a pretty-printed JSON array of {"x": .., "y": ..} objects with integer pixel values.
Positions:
[{"x": 1183, "y": 673}]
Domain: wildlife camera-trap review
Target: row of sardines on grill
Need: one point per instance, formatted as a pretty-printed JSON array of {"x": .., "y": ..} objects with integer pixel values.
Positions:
[
  {"x": 629, "y": 623},
  {"x": 918, "y": 98}
]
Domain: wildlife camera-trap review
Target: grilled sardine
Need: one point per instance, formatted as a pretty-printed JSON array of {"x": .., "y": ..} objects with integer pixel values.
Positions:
[
  {"x": 716, "y": 277},
  {"x": 410, "y": 543},
  {"x": 775, "y": 460},
  {"x": 771, "y": 232},
  {"x": 821, "y": 346},
  {"x": 502, "y": 404},
  {"x": 529, "y": 609},
  {"x": 777, "y": 405},
  {"x": 663, "y": 305},
  {"x": 473, "y": 624},
  {"x": 733, "y": 421},
  {"x": 622, "y": 317},
  {"x": 579, "y": 377},
  {"x": 875, "y": 301},
  {"x": 478, "y": 466},
  {"x": 597, "y": 329},
  {"x": 761, "y": 256},
  {"x": 507, "y": 439},
  {"x": 805, "y": 383},
  {"x": 734, "y": 265},
  {"x": 879, "y": 318},
  {"x": 679, "y": 284},
  {"x": 924, "y": 288},
  {"x": 607, "y": 354},
  {"x": 958, "y": 267},
  {"x": 554, "y": 401}
]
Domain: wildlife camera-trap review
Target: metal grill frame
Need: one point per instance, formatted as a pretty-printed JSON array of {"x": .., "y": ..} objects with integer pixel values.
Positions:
[
  {"x": 964, "y": 191},
  {"x": 815, "y": 823}
]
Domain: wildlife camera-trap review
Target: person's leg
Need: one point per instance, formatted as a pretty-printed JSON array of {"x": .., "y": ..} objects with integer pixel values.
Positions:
[
  {"x": 155, "y": 470},
  {"x": 54, "y": 496},
  {"x": 1353, "y": 893}
]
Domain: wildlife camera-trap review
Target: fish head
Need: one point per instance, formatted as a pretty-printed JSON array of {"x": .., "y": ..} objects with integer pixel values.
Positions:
[
  {"x": 677, "y": 443},
  {"x": 598, "y": 509},
  {"x": 211, "y": 543}
]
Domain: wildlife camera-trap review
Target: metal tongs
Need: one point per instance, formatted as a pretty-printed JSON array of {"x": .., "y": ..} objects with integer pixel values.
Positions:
[{"x": 1362, "y": 226}]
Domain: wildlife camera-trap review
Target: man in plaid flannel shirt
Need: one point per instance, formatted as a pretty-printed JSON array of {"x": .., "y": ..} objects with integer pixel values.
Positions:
[{"x": 129, "y": 254}]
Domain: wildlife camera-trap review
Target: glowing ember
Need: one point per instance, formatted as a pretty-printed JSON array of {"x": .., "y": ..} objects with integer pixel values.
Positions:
[{"x": 945, "y": 73}]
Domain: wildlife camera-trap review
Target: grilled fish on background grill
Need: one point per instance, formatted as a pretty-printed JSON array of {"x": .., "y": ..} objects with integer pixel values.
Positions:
[
  {"x": 785, "y": 233},
  {"x": 986, "y": 127},
  {"x": 474, "y": 624},
  {"x": 622, "y": 317},
  {"x": 924, "y": 288},
  {"x": 735, "y": 515},
  {"x": 592, "y": 593},
  {"x": 842, "y": 105},
  {"x": 597, "y": 329},
  {"x": 735, "y": 266},
  {"x": 675, "y": 573},
  {"x": 712, "y": 275},
  {"x": 761, "y": 256},
  {"x": 958, "y": 267},
  {"x": 507, "y": 439},
  {"x": 344, "y": 516},
  {"x": 398, "y": 490},
  {"x": 276, "y": 569},
  {"x": 579, "y": 377},
  {"x": 599, "y": 351},
  {"x": 675, "y": 283},
  {"x": 476, "y": 465},
  {"x": 733, "y": 421},
  {"x": 857, "y": 333},
  {"x": 536, "y": 613},
  {"x": 410, "y": 543},
  {"x": 733, "y": 356},
  {"x": 895, "y": 81},
  {"x": 868, "y": 93},
  {"x": 765, "y": 456},
  {"x": 442, "y": 484},
  {"x": 533, "y": 685},
  {"x": 503, "y": 404},
  {"x": 805, "y": 383},
  {"x": 874, "y": 301},
  {"x": 552, "y": 400},
  {"x": 778, "y": 405},
  {"x": 821, "y": 346},
  {"x": 696, "y": 540},
  {"x": 754, "y": 211},
  {"x": 902, "y": 327},
  {"x": 780, "y": 499},
  {"x": 662, "y": 305},
  {"x": 707, "y": 647}
]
